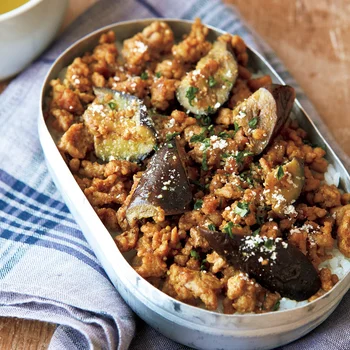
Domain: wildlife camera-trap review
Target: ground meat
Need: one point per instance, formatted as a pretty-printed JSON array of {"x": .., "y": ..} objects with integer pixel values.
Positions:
[
  {"x": 343, "y": 233},
  {"x": 64, "y": 119},
  {"x": 195, "y": 46},
  {"x": 78, "y": 75},
  {"x": 109, "y": 218},
  {"x": 76, "y": 141},
  {"x": 155, "y": 39},
  {"x": 327, "y": 196},
  {"x": 163, "y": 92},
  {"x": 151, "y": 266},
  {"x": 242, "y": 292},
  {"x": 127, "y": 240},
  {"x": 107, "y": 191},
  {"x": 190, "y": 284},
  {"x": 229, "y": 184},
  {"x": 65, "y": 98},
  {"x": 171, "y": 69}
]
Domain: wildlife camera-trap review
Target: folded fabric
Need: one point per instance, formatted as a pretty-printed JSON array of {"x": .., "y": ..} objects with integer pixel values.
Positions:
[{"x": 48, "y": 271}]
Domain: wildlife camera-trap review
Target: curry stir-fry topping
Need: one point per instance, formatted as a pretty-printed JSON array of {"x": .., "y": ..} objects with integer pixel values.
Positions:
[{"x": 197, "y": 167}]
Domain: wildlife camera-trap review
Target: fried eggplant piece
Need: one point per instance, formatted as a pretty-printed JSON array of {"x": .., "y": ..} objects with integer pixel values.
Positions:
[
  {"x": 266, "y": 110},
  {"x": 163, "y": 185},
  {"x": 205, "y": 89},
  {"x": 121, "y": 126},
  {"x": 276, "y": 265},
  {"x": 283, "y": 186}
]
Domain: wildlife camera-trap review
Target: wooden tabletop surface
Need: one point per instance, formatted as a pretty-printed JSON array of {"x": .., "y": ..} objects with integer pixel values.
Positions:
[{"x": 312, "y": 38}]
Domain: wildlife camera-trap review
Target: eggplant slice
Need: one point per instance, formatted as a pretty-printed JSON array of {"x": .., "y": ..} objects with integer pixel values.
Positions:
[
  {"x": 266, "y": 109},
  {"x": 283, "y": 186},
  {"x": 121, "y": 126},
  {"x": 276, "y": 265},
  {"x": 204, "y": 90},
  {"x": 163, "y": 185}
]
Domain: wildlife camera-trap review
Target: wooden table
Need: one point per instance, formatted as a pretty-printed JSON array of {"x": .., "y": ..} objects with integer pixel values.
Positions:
[{"x": 313, "y": 40}]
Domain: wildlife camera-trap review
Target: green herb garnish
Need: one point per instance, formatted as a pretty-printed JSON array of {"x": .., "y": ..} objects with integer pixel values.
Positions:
[
  {"x": 203, "y": 264},
  {"x": 200, "y": 137},
  {"x": 158, "y": 74},
  {"x": 170, "y": 136},
  {"x": 239, "y": 157},
  {"x": 191, "y": 94},
  {"x": 210, "y": 110},
  {"x": 144, "y": 76},
  {"x": 280, "y": 173},
  {"x": 211, "y": 227},
  {"x": 256, "y": 232},
  {"x": 268, "y": 243},
  {"x": 204, "y": 161},
  {"x": 228, "y": 229},
  {"x": 198, "y": 204},
  {"x": 236, "y": 126},
  {"x": 112, "y": 105},
  {"x": 170, "y": 145},
  {"x": 224, "y": 135},
  {"x": 276, "y": 306},
  {"x": 253, "y": 122},
  {"x": 156, "y": 147},
  {"x": 211, "y": 82},
  {"x": 242, "y": 209},
  {"x": 194, "y": 254}
]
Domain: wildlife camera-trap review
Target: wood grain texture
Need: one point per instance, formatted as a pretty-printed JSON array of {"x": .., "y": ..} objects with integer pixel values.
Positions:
[
  {"x": 312, "y": 38},
  {"x": 18, "y": 334}
]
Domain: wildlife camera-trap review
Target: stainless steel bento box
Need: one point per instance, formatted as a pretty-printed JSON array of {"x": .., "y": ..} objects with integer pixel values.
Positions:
[{"x": 183, "y": 323}]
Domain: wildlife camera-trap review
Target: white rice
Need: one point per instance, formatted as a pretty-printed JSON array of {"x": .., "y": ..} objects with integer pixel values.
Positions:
[{"x": 338, "y": 264}]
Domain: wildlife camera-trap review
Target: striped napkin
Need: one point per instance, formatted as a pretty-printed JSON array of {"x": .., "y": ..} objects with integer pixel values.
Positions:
[{"x": 48, "y": 271}]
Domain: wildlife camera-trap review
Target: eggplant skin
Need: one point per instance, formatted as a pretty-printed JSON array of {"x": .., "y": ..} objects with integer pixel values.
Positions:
[
  {"x": 291, "y": 273},
  {"x": 164, "y": 185},
  {"x": 270, "y": 106}
]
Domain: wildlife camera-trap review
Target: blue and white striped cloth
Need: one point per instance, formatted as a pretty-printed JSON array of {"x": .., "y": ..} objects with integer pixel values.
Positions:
[{"x": 47, "y": 270}]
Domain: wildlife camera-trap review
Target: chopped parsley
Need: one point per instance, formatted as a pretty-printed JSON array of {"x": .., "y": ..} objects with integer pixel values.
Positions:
[
  {"x": 204, "y": 161},
  {"x": 242, "y": 209},
  {"x": 170, "y": 136},
  {"x": 236, "y": 126},
  {"x": 256, "y": 232},
  {"x": 224, "y": 135},
  {"x": 144, "y": 76},
  {"x": 268, "y": 243},
  {"x": 228, "y": 229},
  {"x": 276, "y": 306},
  {"x": 211, "y": 82},
  {"x": 191, "y": 94},
  {"x": 239, "y": 157},
  {"x": 158, "y": 74},
  {"x": 156, "y": 147},
  {"x": 204, "y": 264},
  {"x": 195, "y": 254},
  {"x": 170, "y": 145},
  {"x": 203, "y": 119},
  {"x": 210, "y": 110},
  {"x": 253, "y": 122},
  {"x": 280, "y": 173},
  {"x": 200, "y": 137},
  {"x": 198, "y": 204},
  {"x": 112, "y": 105},
  {"x": 211, "y": 227}
]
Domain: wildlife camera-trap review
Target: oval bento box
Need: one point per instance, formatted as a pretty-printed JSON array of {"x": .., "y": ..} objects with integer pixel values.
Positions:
[{"x": 183, "y": 323}]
